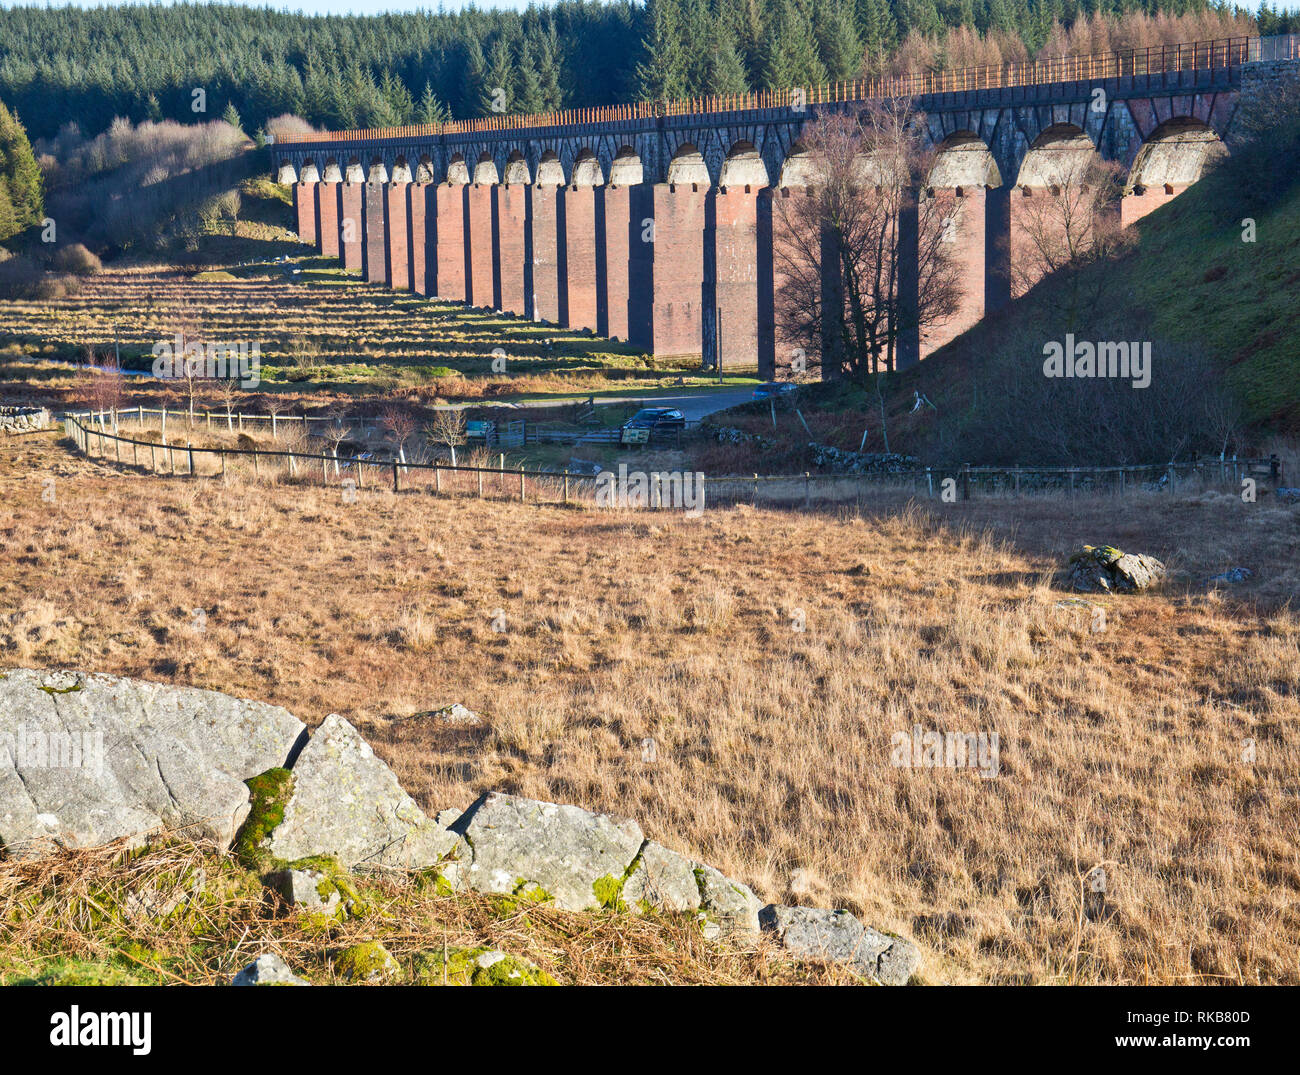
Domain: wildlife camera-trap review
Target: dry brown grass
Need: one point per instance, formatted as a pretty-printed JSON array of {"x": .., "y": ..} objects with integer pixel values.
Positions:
[
  {"x": 179, "y": 915},
  {"x": 1122, "y": 748}
]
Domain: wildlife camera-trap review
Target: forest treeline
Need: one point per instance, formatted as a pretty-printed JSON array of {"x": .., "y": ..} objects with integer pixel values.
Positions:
[{"x": 146, "y": 62}]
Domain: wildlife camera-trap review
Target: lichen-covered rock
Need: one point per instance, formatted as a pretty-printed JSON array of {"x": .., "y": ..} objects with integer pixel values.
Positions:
[
  {"x": 817, "y": 934},
  {"x": 476, "y": 966},
  {"x": 571, "y": 854},
  {"x": 309, "y": 889},
  {"x": 728, "y": 907},
  {"x": 662, "y": 880},
  {"x": 267, "y": 969},
  {"x": 87, "y": 759},
  {"x": 1104, "y": 569},
  {"x": 346, "y": 803},
  {"x": 367, "y": 962}
]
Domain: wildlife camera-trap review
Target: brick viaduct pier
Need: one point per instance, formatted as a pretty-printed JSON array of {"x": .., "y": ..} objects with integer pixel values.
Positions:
[{"x": 654, "y": 223}]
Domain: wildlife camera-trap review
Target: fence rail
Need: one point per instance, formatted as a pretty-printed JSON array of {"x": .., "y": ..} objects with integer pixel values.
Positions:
[
  {"x": 946, "y": 483},
  {"x": 1123, "y": 63}
]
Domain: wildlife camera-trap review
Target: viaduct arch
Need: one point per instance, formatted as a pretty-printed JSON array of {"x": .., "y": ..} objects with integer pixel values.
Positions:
[{"x": 658, "y": 230}]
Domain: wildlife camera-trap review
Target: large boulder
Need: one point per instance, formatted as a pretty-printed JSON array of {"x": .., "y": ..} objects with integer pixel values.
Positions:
[
  {"x": 1104, "y": 569},
  {"x": 347, "y": 804},
  {"x": 824, "y": 936},
  {"x": 88, "y": 759},
  {"x": 579, "y": 859}
]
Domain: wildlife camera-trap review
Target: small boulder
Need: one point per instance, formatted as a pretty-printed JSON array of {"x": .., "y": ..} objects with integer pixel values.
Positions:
[
  {"x": 1104, "y": 569},
  {"x": 456, "y": 715},
  {"x": 311, "y": 890},
  {"x": 812, "y": 933},
  {"x": 1232, "y": 575},
  {"x": 267, "y": 969}
]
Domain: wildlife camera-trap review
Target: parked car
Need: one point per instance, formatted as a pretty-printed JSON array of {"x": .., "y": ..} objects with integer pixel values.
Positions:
[
  {"x": 775, "y": 390},
  {"x": 657, "y": 419}
]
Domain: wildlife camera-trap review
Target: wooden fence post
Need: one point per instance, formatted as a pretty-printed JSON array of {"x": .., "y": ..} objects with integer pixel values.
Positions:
[
  {"x": 480, "y": 483},
  {"x": 437, "y": 478},
  {"x": 396, "y": 486},
  {"x": 190, "y": 448},
  {"x": 257, "y": 470},
  {"x": 521, "y": 486},
  {"x": 566, "y": 486},
  {"x": 223, "y": 467},
  {"x": 807, "y": 492}
]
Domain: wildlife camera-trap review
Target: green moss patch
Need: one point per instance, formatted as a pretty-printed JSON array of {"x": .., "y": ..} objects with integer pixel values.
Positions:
[{"x": 476, "y": 966}]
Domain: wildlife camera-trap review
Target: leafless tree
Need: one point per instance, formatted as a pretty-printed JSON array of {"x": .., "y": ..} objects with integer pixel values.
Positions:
[
  {"x": 399, "y": 424},
  {"x": 447, "y": 429},
  {"x": 843, "y": 249},
  {"x": 1066, "y": 225},
  {"x": 104, "y": 385}
]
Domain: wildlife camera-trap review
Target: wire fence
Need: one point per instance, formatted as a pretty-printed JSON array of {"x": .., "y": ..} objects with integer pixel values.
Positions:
[
  {"x": 652, "y": 490},
  {"x": 1156, "y": 60}
]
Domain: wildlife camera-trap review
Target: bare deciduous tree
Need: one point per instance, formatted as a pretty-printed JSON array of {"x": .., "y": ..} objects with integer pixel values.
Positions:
[
  {"x": 447, "y": 429},
  {"x": 845, "y": 251},
  {"x": 1067, "y": 224}
]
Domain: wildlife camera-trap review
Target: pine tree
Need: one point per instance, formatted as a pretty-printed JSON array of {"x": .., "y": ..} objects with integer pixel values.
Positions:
[
  {"x": 528, "y": 83},
  {"x": 837, "y": 40},
  {"x": 548, "y": 71},
  {"x": 231, "y": 116},
  {"x": 791, "y": 59},
  {"x": 726, "y": 68},
  {"x": 20, "y": 178},
  {"x": 662, "y": 73},
  {"x": 494, "y": 90},
  {"x": 430, "y": 109}
]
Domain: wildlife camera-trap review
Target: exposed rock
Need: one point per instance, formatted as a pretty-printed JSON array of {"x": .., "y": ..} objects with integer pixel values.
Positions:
[
  {"x": 563, "y": 849},
  {"x": 456, "y": 715},
  {"x": 812, "y": 933},
  {"x": 729, "y": 907},
  {"x": 663, "y": 880},
  {"x": 1236, "y": 574},
  {"x": 1104, "y": 569},
  {"x": 367, "y": 962},
  {"x": 267, "y": 969},
  {"x": 346, "y": 803},
  {"x": 87, "y": 759},
  {"x": 310, "y": 889}
]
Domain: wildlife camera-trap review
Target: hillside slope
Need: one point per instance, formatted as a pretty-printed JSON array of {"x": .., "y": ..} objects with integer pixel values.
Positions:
[{"x": 1190, "y": 282}]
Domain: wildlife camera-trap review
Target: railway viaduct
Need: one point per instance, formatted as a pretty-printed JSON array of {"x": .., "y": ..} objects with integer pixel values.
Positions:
[{"x": 654, "y": 223}]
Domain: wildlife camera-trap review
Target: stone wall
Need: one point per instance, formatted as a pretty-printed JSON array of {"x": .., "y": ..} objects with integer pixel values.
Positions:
[{"x": 24, "y": 419}]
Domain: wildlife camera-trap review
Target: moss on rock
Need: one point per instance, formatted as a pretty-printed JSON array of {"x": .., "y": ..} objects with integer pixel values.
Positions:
[
  {"x": 369, "y": 961},
  {"x": 476, "y": 966},
  {"x": 270, "y": 793}
]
